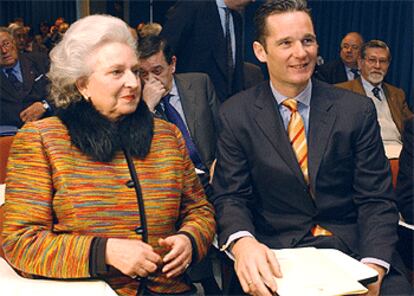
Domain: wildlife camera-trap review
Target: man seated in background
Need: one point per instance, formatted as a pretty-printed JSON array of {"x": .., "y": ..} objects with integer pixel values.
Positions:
[
  {"x": 189, "y": 101},
  {"x": 300, "y": 163},
  {"x": 23, "y": 83},
  {"x": 346, "y": 68},
  {"x": 392, "y": 108},
  {"x": 207, "y": 37}
]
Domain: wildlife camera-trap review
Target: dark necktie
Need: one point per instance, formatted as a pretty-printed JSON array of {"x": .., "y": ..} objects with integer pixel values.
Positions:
[
  {"x": 174, "y": 117},
  {"x": 230, "y": 63},
  {"x": 13, "y": 79},
  {"x": 355, "y": 72},
  {"x": 376, "y": 92}
]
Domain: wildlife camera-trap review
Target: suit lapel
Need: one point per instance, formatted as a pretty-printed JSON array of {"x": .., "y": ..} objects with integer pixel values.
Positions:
[
  {"x": 27, "y": 73},
  {"x": 188, "y": 99},
  {"x": 358, "y": 88},
  {"x": 321, "y": 120},
  {"x": 394, "y": 108},
  {"x": 270, "y": 122},
  {"x": 219, "y": 41}
]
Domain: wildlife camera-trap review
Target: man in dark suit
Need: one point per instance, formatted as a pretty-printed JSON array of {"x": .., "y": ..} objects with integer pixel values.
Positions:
[
  {"x": 23, "y": 84},
  {"x": 392, "y": 108},
  {"x": 301, "y": 163},
  {"x": 196, "y": 30},
  {"x": 405, "y": 180},
  {"x": 194, "y": 100},
  {"x": 347, "y": 67}
]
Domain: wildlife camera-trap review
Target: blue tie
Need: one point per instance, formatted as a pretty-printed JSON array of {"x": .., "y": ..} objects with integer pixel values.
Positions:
[
  {"x": 355, "y": 72},
  {"x": 229, "y": 51},
  {"x": 174, "y": 117},
  {"x": 376, "y": 92},
  {"x": 13, "y": 79}
]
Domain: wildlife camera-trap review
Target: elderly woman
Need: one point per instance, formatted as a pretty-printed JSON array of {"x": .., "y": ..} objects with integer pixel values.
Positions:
[{"x": 104, "y": 190}]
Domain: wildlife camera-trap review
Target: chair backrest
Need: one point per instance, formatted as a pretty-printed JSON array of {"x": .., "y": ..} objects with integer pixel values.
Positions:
[{"x": 5, "y": 144}]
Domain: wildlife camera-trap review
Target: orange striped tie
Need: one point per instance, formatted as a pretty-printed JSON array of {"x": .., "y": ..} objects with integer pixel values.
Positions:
[{"x": 297, "y": 136}]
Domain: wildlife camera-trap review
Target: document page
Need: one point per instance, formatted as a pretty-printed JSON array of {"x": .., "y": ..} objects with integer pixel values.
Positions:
[{"x": 307, "y": 271}]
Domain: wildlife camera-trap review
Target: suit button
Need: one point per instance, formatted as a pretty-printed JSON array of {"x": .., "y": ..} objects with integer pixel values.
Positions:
[
  {"x": 129, "y": 184},
  {"x": 139, "y": 230}
]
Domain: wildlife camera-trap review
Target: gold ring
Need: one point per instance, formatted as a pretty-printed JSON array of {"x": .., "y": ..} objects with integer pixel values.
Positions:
[{"x": 249, "y": 283}]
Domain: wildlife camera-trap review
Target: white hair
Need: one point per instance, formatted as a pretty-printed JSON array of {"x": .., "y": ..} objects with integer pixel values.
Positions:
[{"x": 69, "y": 58}]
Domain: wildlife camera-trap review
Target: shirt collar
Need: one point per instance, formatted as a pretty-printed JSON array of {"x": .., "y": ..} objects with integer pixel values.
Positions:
[
  {"x": 174, "y": 91},
  {"x": 15, "y": 68},
  {"x": 368, "y": 85},
  {"x": 304, "y": 97},
  {"x": 221, "y": 4}
]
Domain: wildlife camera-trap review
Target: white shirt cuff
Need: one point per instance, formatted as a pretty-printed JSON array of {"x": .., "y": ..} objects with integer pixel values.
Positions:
[{"x": 377, "y": 261}]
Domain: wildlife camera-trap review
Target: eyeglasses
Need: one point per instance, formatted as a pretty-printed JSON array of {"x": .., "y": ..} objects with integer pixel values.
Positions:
[
  {"x": 6, "y": 45},
  {"x": 373, "y": 61}
]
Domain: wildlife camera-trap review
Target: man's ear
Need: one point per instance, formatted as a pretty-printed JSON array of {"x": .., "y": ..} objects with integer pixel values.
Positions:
[
  {"x": 173, "y": 64},
  {"x": 82, "y": 86},
  {"x": 260, "y": 52}
]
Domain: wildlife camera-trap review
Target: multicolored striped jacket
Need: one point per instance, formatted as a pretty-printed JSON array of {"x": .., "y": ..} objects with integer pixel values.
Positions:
[{"x": 58, "y": 200}]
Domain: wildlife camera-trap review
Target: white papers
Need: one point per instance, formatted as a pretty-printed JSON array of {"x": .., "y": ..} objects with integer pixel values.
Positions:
[
  {"x": 320, "y": 272},
  {"x": 11, "y": 284},
  {"x": 2, "y": 193}
]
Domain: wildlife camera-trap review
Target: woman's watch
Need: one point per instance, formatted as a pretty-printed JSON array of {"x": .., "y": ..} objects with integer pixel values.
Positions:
[{"x": 45, "y": 105}]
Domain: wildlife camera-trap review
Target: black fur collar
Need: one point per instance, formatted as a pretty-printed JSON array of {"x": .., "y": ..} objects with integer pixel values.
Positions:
[{"x": 100, "y": 138}]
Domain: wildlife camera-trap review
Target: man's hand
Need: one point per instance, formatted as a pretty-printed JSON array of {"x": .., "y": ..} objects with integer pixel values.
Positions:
[
  {"x": 256, "y": 266},
  {"x": 132, "y": 257},
  {"x": 153, "y": 91},
  {"x": 33, "y": 112},
  {"x": 374, "y": 288},
  {"x": 179, "y": 256}
]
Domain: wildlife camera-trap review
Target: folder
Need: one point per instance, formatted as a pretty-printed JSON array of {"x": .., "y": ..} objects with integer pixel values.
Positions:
[{"x": 321, "y": 272}]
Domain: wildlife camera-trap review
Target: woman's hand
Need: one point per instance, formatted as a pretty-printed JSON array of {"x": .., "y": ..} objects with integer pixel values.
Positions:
[
  {"x": 132, "y": 257},
  {"x": 179, "y": 256}
]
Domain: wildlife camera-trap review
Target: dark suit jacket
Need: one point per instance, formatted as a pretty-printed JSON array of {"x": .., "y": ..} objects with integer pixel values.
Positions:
[
  {"x": 395, "y": 98},
  {"x": 405, "y": 180},
  {"x": 259, "y": 187},
  {"x": 253, "y": 75},
  {"x": 200, "y": 106},
  {"x": 34, "y": 68},
  {"x": 331, "y": 72},
  {"x": 194, "y": 31}
]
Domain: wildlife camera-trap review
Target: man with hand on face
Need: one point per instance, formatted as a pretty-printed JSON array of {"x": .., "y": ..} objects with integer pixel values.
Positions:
[
  {"x": 189, "y": 101},
  {"x": 23, "y": 84},
  {"x": 346, "y": 68},
  {"x": 392, "y": 108},
  {"x": 300, "y": 163}
]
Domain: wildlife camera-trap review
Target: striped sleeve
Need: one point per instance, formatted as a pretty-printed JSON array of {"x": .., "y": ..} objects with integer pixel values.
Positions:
[
  {"x": 197, "y": 214},
  {"x": 29, "y": 242}
]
